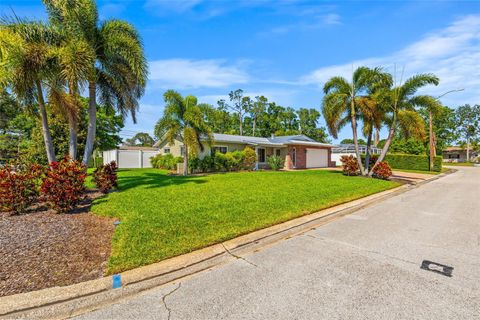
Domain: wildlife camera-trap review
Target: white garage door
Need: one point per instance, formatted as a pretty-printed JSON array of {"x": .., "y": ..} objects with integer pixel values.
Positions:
[{"x": 317, "y": 158}]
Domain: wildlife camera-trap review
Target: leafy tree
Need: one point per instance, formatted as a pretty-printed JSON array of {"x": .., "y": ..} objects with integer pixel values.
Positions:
[
  {"x": 444, "y": 127},
  {"x": 350, "y": 141},
  {"x": 257, "y": 108},
  {"x": 341, "y": 103},
  {"x": 467, "y": 120},
  {"x": 400, "y": 103},
  {"x": 142, "y": 139},
  {"x": 26, "y": 67},
  {"x": 307, "y": 125},
  {"x": 240, "y": 105},
  {"x": 118, "y": 72},
  {"x": 182, "y": 118}
]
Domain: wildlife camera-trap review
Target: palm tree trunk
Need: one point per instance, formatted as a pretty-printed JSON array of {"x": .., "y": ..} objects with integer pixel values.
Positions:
[
  {"x": 254, "y": 125},
  {"x": 355, "y": 138},
  {"x": 367, "y": 153},
  {"x": 92, "y": 122},
  {"x": 468, "y": 149},
  {"x": 185, "y": 161},
  {"x": 72, "y": 144},
  {"x": 376, "y": 140},
  {"x": 391, "y": 133},
  {"x": 47, "y": 138}
]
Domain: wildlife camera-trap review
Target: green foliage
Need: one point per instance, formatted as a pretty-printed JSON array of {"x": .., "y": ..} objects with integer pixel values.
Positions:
[
  {"x": 166, "y": 161},
  {"x": 249, "y": 159},
  {"x": 275, "y": 162},
  {"x": 141, "y": 139},
  {"x": 350, "y": 141},
  {"x": 410, "y": 162},
  {"x": 408, "y": 146}
]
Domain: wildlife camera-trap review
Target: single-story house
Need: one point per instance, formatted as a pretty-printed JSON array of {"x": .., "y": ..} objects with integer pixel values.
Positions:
[
  {"x": 458, "y": 154},
  {"x": 298, "y": 151},
  {"x": 349, "y": 150}
]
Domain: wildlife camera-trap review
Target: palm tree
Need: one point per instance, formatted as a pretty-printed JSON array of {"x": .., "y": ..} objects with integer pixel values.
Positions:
[
  {"x": 183, "y": 118},
  {"x": 119, "y": 69},
  {"x": 341, "y": 103},
  {"x": 400, "y": 102},
  {"x": 27, "y": 67}
]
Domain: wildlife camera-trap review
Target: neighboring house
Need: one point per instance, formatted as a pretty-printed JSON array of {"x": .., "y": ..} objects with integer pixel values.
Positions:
[
  {"x": 349, "y": 149},
  {"x": 130, "y": 156},
  {"x": 458, "y": 154},
  {"x": 299, "y": 152}
]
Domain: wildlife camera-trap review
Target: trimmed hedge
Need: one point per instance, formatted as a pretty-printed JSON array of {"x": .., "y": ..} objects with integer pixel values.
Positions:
[{"x": 411, "y": 161}]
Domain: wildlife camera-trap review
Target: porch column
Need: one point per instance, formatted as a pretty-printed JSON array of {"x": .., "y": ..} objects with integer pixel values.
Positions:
[{"x": 256, "y": 158}]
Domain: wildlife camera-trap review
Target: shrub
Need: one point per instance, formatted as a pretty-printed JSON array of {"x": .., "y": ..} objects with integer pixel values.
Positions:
[
  {"x": 350, "y": 165},
  {"x": 220, "y": 161},
  {"x": 105, "y": 176},
  {"x": 194, "y": 164},
  {"x": 19, "y": 188},
  {"x": 411, "y": 162},
  {"x": 275, "y": 162},
  {"x": 63, "y": 186},
  {"x": 166, "y": 161},
  {"x": 382, "y": 171},
  {"x": 249, "y": 159},
  {"x": 207, "y": 164}
]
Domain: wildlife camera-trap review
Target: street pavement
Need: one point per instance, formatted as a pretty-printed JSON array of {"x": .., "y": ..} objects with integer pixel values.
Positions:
[{"x": 366, "y": 265}]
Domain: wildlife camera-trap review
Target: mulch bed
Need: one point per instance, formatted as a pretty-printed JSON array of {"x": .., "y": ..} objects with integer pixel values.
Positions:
[{"x": 43, "y": 249}]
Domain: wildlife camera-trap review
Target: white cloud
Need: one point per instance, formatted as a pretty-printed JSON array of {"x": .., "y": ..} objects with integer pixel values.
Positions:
[
  {"x": 452, "y": 53},
  {"x": 186, "y": 73},
  {"x": 331, "y": 19}
]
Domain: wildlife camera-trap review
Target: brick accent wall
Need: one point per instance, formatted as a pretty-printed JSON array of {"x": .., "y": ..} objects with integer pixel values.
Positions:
[{"x": 301, "y": 156}]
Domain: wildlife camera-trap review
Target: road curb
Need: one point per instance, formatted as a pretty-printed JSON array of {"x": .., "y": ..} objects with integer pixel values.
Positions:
[{"x": 69, "y": 301}]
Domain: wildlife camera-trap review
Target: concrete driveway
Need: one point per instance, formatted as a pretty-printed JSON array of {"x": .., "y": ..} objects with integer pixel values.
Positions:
[{"x": 363, "y": 266}]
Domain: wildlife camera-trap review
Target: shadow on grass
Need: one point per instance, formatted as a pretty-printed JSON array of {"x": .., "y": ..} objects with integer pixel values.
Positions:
[{"x": 155, "y": 180}]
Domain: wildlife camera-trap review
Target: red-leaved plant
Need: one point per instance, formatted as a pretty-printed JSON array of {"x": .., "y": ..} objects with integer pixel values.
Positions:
[
  {"x": 63, "y": 186},
  {"x": 19, "y": 188},
  {"x": 105, "y": 177},
  {"x": 350, "y": 165},
  {"x": 382, "y": 170}
]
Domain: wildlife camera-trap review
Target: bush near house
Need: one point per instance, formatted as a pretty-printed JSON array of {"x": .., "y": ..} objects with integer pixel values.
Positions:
[
  {"x": 275, "y": 162},
  {"x": 64, "y": 184},
  {"x": 225, "y": 162},
  {"x": 105, "y": 176},
  {"x": 382, "y": 171},
  {"x": 167, "y": 161},
  {"x": 349, "y": 165},
  {"x": 409, "y": 161},
  {"x": 19, "y": 188}
]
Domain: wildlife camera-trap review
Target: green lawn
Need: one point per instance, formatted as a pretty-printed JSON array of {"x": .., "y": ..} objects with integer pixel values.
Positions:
[{"x": 164, "y": 216}]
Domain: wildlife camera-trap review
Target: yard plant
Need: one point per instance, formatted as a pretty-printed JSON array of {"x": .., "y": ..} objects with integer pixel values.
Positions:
[{"x": 164, "y": 216}]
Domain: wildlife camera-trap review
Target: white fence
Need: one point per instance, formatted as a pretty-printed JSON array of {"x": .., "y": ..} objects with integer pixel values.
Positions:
[{"x": 129, "y": 158}]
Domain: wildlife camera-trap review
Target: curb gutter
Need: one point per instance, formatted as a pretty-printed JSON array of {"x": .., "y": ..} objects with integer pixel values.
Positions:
[{"x": 69, "y": 301}]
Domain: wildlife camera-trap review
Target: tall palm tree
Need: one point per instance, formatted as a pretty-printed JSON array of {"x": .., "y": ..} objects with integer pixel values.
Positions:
[
  {"x": 341, "y": 103},
  {"x": 400, "y": 102},
  {"x": 183, "y": 118},
  {"x": 118, "y": 73},
  {"x": 27, "y": 66}
]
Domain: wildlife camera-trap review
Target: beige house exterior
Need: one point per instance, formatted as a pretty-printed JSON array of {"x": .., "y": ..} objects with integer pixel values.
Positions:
[
  {"x": 298, "y": 152},
  {"x": 458, "y": 154}
]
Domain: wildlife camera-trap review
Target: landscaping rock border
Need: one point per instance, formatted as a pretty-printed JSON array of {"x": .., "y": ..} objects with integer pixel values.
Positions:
[{"x": 69, "y": 301}]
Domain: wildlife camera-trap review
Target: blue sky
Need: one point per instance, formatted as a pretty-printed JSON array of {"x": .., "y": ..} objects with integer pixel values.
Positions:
[{"x": 286, "y": 49}]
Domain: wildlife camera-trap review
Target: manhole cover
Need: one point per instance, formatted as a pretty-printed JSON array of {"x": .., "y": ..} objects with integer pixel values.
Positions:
[{"x": 437, "y": 267}]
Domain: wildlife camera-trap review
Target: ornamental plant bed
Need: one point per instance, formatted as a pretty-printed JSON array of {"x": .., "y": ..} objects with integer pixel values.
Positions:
[{"x": 42, "y": 249}]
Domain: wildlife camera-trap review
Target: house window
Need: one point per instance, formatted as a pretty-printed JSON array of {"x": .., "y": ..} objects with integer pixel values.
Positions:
[
  {"x": 261, "y": 155},
  {"x": 221, "y": 149},
  {"x": 182, "y": 151},
  {"x": 166, "y": 150},
  {"x": 277, "y": 152}
]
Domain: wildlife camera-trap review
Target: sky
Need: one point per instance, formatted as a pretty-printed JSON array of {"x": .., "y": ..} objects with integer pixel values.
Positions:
[{"x": 287, "y": 49}]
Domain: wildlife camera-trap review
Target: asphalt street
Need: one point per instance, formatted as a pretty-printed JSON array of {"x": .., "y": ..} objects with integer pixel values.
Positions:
[{"x": 366, "y": 265}]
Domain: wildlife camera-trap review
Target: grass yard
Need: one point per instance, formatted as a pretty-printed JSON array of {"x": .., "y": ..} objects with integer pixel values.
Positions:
[
  {"x": 459, "y": 164},
  {"x": 164, "y": 216}
]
